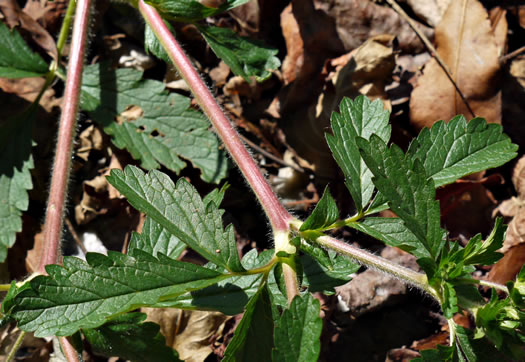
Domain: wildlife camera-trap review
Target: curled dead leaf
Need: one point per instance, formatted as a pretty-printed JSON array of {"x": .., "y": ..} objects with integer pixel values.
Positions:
[{"x": 468, "y": 44}]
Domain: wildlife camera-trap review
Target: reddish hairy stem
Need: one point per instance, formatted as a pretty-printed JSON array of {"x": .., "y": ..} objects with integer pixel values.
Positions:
[
  {"x": 66, "y": 133},
  {"x": 69, "y": 351},
  {"x": 277, "y": 214}
]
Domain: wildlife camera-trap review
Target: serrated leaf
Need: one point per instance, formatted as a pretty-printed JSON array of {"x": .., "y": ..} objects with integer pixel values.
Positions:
[
  {"x": 84, "y": 295},
  {"x": 478, "y": 252},
  {"x": 152, "y": 44},
  {"x": 231, "y": 295},
  {"x": 320, "y": 278},
  {"x": 410, "y": 194},
  {"x": 15, "y": 177},
  {"x": 181, "y": 211},
  {"x": 455, "y": 149},
  {"x": 392, "y": 231},
  {"x": 216, "y": 195},
  {"x": 156, "y": 127},
  {"x": 325, "y": 213},
  {"x": 358, "y": 118},
  {"x": 517, "y": 289},
  {"x": 253, "y": 338},
  {"x": 155, "y": 239},
  {"x": 17, "y": 60},
  {"x": 192, "y": 10},
  {"x": 127, "y": 337},
  {"x": 296, "y": 335},
  {"x": 245, "y": 57},
  {"x": 449, "y": 304}
]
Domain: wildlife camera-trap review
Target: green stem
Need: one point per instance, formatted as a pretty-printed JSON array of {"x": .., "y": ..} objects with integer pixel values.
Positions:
[
  {"x": 370, "y": 260},
  {"x": 66, "y": 25},
  {"x": 16, "y": 346},
  {"x": 5, "y": 287},
  {"x": 496, "y": 286}
]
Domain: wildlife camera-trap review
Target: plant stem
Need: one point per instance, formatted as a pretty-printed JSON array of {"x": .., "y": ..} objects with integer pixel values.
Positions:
[
  {"x": 69, "y": 351},
  {"x": 16, "y": 346},
  {"x": 66, "y": 133},
  {"x": 277, "y": 214},
  {"x": 373, "y": 261},
  {"x": 496, "y": 286},
  {"x": 64, "y": 29}
]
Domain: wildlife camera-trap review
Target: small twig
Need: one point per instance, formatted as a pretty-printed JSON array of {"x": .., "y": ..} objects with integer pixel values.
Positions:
[
  {"x": 16, "y": 346},
  {"x": 269, "y": 155},
  {"x": 75, "y": 235},
  {"x": 398, "y": 9},
  {"x": 504, "y": 59}
]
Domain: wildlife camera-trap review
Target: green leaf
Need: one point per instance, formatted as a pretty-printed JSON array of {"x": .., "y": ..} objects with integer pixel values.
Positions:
[
  {"x": 84, "y": 295},
  {"x": 155, "y": 239},
  {"x": 324, "y": 214},
  {"x": 216, "y": 195},
  {"x": 156, "y": 127},
  {"x": 297, "y": 332},
  {"x": 15, "y": 177},
  {"x": 442, "y": 353},
  {"x": 478, "y": 252},
  {"x": 125, "y": 336},
  {"x": 410, "y": 193},
  {"x": 230, "y": 296},
  {"x": 358, "y": 118},
  {"x": 245, "y": 57},
  {"x": 449, "y": 304},
  {"x": 392, "y": 231},
  {"x": 517, "y": 289},
  {"x": 452, "y": 150},
  {"x": 321, "y": 278},
  {"x": 152, "y": 45},
  {"x": 17, "y": 60},
  {"x": 253, "y": 338},
  {"x": 180, "y": 210},
  {"x": 192, "y": 10}
]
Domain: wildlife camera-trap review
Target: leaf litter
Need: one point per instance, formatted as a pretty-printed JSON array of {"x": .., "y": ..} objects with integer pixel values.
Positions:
[{"x": 320, "y": 67}]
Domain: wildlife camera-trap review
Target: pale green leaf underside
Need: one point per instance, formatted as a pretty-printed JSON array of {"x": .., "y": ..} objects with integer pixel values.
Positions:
[
  {"x": 392, "y": 231},
  {"x": 155, "y": 239},
  {"x": 152, "y": 45},
  {"x": 83, "y": 295},
  {"x": 17, "y": 60},
  {"x": 244, "y": 56},
  {"x": 452, "y": 150},
  {"x": 297, "y": 332},
  {"x": 15, "y": 177},
  {"x": 358, "y": 118},
  {"x": 181, "y": 211},
  {"x": 158, "y": 128}
]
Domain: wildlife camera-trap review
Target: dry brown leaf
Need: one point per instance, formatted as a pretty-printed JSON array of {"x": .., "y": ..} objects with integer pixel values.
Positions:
[
  {"x": 15, "y": 17},
  {"x": 189, "y": 332},
  {"x": 515, "y": 208},
  {"x": 468, "y": 45},
  {"x": 48, "y": 13},
  {"x": 508, "y": 267},
  {"x": 89, "y": 139},
  {"x": 431, "y": 11},
  {"x": 365, "y": 72}
]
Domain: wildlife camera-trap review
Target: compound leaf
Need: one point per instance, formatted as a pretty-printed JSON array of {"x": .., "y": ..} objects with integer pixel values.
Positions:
[
  {"x": 15, "y": 177},
  {"x": 324, "y": 214},
  {"x": 253, "y": 339},
  {"x": 84, "y": 295},
  {"x": 155, "y": 239},
  {"x": 358, "y": 118},
  {"x": 156, "y": 127},
  {"x": 410, "y": 193},
  {"x": 181, "y": 211},
  {"x": 245, "y": 57},
  {"x": 452, "y": 150},
  {"x": 17, "y": 60},
  {"x": 478, "y": 252},
  {"x": 125, "y": 336},
  {"x": 296, "y": 335}
]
